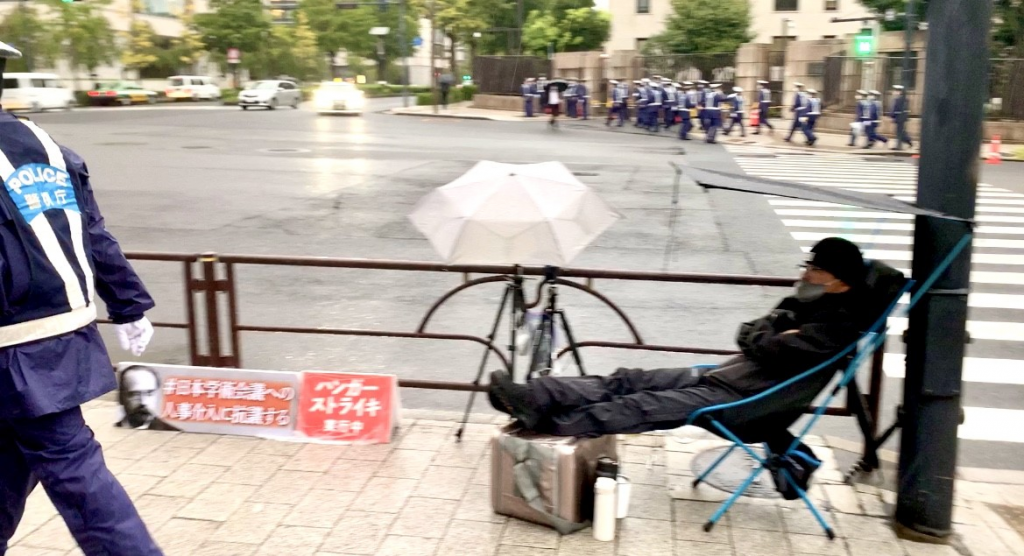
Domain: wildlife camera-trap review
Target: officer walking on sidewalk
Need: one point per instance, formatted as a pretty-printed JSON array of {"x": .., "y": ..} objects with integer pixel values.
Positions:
[
  {"x": 900, "y": 113},
  {"x": 57, "y": 255}
]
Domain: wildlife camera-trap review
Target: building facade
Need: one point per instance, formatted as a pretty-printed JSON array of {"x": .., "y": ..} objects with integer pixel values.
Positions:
[{"x": 772, "y": 21}]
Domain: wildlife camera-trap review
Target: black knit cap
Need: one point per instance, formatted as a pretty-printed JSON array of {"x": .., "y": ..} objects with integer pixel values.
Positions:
[{"x": 841, "y": 258}]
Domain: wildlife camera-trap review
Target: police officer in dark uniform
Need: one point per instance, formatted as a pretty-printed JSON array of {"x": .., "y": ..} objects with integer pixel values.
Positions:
[
  {"x": 900, "y": 113},
  {"x": 55, "y": 256}
]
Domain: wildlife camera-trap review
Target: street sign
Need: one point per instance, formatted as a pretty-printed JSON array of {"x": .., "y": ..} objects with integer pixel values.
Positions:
[
  {"x": 417, "y": 41},
  {"x": 864, "y": 44},
  {"x": 234, "y": 56},
  {"x": 890, "y": 15},
  {"x": 379, "y": 31}
]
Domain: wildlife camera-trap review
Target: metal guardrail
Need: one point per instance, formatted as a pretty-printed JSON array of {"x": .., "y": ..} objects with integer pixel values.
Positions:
[{"x": 209, "y": 276}]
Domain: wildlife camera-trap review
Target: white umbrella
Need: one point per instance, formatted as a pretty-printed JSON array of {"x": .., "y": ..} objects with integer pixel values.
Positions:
[{"x": 513, "y": 214}]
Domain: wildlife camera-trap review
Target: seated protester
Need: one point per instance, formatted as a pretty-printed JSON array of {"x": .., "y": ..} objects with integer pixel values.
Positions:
[{"x": 819, "y": 320}]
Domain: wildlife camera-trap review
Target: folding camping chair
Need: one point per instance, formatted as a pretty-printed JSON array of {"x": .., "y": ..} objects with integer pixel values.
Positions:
[{"x": 750, "y": 421}]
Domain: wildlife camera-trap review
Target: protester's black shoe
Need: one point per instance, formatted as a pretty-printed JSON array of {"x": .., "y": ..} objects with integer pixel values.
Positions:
[
  {"x": 515, "y": 397},
  {"x": 496, "y": 402}
]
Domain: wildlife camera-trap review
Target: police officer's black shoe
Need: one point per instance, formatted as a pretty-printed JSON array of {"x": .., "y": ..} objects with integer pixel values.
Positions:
[{"x": 515, "y": 397}]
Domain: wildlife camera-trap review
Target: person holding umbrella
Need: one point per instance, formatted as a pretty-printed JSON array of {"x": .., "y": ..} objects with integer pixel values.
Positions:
[{"x": 553, "y": 96}]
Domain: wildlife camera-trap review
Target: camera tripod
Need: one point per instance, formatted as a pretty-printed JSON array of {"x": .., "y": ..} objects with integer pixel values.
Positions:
[{"x": 542, "y": 343}]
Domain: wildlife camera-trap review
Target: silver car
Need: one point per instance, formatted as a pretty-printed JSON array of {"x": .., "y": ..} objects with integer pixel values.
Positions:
[{"x": 270, "y": 94}]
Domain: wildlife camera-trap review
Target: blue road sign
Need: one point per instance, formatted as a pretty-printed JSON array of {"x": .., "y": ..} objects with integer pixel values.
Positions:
[{"x": 417, "y": 41}]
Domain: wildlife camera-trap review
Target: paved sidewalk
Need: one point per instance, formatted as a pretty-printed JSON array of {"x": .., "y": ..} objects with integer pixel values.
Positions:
[{"x": 210, "y": 495}]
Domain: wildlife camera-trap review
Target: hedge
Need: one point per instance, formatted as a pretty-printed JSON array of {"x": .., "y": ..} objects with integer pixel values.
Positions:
[
  {"x": 459, "y": 94},
  {"x": 373, "y": 90}
]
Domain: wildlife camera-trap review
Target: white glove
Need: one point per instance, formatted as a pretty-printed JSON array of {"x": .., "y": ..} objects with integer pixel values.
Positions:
[{"x": 135, "y": 336}]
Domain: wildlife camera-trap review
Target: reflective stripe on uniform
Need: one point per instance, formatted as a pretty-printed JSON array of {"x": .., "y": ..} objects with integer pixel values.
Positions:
[{"x": 82, "y": 311}]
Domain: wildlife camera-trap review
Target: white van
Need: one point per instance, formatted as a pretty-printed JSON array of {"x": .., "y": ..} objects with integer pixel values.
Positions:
[
  {"x": 35, "y": 92},
  {"x": 195, "y": 87}
]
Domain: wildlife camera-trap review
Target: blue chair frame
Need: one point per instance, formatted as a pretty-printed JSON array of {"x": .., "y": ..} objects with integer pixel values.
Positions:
[{"x": 863, "y": 348}]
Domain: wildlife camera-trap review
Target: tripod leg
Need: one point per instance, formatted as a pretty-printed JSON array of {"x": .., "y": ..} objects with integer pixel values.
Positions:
[
  {"x": 572, "y": 343},
  {"x": 483, "y": 362}
]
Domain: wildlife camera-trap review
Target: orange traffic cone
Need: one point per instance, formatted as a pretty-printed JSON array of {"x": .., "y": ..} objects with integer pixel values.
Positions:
[
  {"x": 755, "y": 117},
  {"x": 994, "y": 155}
]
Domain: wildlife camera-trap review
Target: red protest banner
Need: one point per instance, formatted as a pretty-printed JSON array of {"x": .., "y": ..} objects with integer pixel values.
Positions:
[{"x": 347, "y": 407}]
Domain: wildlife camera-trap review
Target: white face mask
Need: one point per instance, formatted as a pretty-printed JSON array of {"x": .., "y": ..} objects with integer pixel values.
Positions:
[{"x": 806, "y": 292}]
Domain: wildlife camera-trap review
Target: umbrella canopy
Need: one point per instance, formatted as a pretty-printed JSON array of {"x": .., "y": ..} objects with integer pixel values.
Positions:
[
  {"x": 513, "y": 214},
  {"x": 714, "y": 179},
  {"x": 559, "y": 84}
]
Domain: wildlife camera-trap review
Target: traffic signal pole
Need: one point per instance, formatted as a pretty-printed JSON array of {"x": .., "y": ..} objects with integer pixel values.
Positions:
[{"x": 954, "y": 96}]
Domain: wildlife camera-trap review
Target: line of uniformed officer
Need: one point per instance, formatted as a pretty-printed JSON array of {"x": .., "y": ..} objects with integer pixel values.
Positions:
[{"x": 576, "y": 97}]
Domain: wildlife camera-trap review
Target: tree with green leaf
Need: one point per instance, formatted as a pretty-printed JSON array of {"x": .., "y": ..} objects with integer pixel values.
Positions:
[
  {"x": 87, "y": 41},
  {"x": 1008, "y": 31},
  {"x": 899, "y": 7},
  {"x": 140, "y": 48},
  {"x": 703, "y": 26},
  {"x": 25, "y": 29},
  {"x": 240, "y": 24},
  {"x": 289, "y": 50},
  {"x": 187, "y": 49},
  {"x": 503, "y": 18},
  {"x": 460, "y": 19},
  {"x": 577, "y": 30}
]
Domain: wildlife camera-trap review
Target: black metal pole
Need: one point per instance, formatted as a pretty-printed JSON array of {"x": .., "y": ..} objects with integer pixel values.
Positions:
[
  {"x": 954, "y": 96},
  {"x": 403, "y": 51}
]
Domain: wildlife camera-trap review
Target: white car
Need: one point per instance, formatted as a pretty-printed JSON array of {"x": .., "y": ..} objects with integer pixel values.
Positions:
[
  {"x": 270, "y": 94},
  {"x": 194, "y": 87},
  {"x": 338, "y": 97},
  {"x": 36, "y": 92}
]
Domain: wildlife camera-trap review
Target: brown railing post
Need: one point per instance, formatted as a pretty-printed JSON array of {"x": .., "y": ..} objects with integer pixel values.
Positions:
[
  {"x": 235, "y": 359},
  {"x": 190, "y": 312},
  {"x": 875, "y": 388},
  {"x": 208, "y": 282}
]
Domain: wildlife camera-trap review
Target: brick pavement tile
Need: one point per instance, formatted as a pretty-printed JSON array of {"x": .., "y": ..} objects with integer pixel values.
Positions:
[
  {"x": 873, "y": 505},
  {"x": 655, "y": 440},
  {"x": 384, "y": 494},
  {"x": 119, "y": 465},
  {"x": 680, "y": 488},
  {"x": 227, "y": 450},
  {"x": 252, "y": 523},
  {"x": 645, "y": 537},
  {"x": 369, "y": 452},
  {"x": 863, "y": 547},
  {"x": 638, "y": 454},
  {"x": 690, "y": 511},
  {"x": 217, "y": 502},
  {"x": 843, "y": 498},
  {"x": 513, "y": 550},
  {"x": 397, "y": 545},
  {"x": 449, "y": 483},
  {"x": 816, "y": 544},
  {"x": 29, "y": 551},
  {"x": 428, "y": 440},
  {"x": 1011, "y": 539},
  {"x": 679, "y": 463},
  {"x": 866, "y": 528},
  {"x": 461, "y": 454},
  {"x": 650, "y": 502},
  {"x": 424, "y": 517},
  {"x": 285, "y": 487},
  {"x": 194, "y": 441},
  {"x": 188, "y": 481},
  {"x": 320, "y": 508},
  {"x": 798, "y": 519},
  {"x": 691, "y": 548},
  {"x": 181, "y": 537},
  {"x": 982, "y": 541},
  {"x": 982, "y": 492},
  {"x": 524, "y": 533},
  {"x": 925, "y": 549},
  {"x": 347, "y": 474},
  {"x": 762, "y": 543},
  {"x": 763, "y": 518},
  {"x": 582, "y": 543},
  {"x": 53, "y": 534},
  {"x": 483, "y": 471},
  {"x": 719, "y": 534},
  {"x": 314, "y": 457},
  {"x": 256, "y": 469},
  {"x": 293, "y": 541},
  {"x": 269, "y": 447},
  {"x": 162, "y": 462},
  {"x": 137, "y": 485},
  {"x": 358, "y": 533},
  {"x": 214, "y": 548},
  {"x": 138, "y": 446},
  {"x": 158, "y": 510},
  {"x": 470, "y": 538},
  {"x": 476, "y": 506},
  {"x": 640, "y": 474},
  {"x": 406, "y": 464}
]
